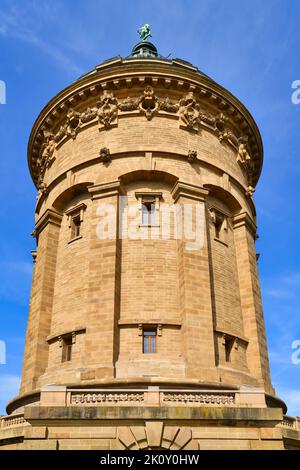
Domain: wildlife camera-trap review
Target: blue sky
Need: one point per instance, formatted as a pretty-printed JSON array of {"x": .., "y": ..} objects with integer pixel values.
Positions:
[{"x": 248, "y": 46}]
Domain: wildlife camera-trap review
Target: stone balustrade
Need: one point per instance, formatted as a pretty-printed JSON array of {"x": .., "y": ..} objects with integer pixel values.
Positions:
[
  {"x": 291, "y": 422},
  {"x": 12, "y": 420}
]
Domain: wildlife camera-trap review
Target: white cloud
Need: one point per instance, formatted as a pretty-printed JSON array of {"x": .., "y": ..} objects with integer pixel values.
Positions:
[
  {"x": 292, "y": 399},
  {"x": 279, "y": 293},
  {"x": 9, "y": 388},
  {"x": 16, "y": 23},
  {"x": 15, "y": 281}
]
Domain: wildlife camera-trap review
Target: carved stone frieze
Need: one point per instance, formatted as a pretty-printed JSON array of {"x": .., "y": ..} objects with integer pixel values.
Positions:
[
  {"x": 61, "y": 133},
  {"x": 245, "y": 160},
  {"x": 169, "y": 106},
  {"x": 149, "y": 103},
  {"x": 89, "y": 115},
  {"x": 106, "y": 397},
  {"x": 250, "y": 191},
  {"x": 46, "y": 157},
  {"x": 223, "y": 132},
  {"x": 42, "y": 189},
  {"x": 189, "y": 112},
  {"x": 129, "y": 104},
  {"x": 73, "y": 123},
  {"x": 14, "y": 420},
  {"x": 243, "y": 155},
  {"x": 202, "y": 398},
  {"x": 107, "y": 110}
]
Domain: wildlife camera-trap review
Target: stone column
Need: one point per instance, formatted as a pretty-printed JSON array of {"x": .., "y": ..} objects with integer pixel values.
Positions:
[
  {"x": 195, "y": 291},
  {"x": 40, "y": 310},
  {"x": 104, "y": 284},
  {"x": 254, "y": 328}
]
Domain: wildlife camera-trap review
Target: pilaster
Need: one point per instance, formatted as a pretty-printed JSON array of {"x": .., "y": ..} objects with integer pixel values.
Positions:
[
  {"x": 254, "y": 328},
  {"x": 104, "y": 283},
  {"x": 39, "y": 320},
  {"x": 195, "y": 288}
]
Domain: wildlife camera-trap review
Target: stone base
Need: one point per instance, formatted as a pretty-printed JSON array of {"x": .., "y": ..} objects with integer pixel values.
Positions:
[
  {"x": 133, "y": 427},
  {"x": 147, "y": 417}
]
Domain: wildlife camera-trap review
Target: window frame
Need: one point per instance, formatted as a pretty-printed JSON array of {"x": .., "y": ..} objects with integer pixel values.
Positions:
[
  {"x": 75, "y": 214},
  {"x": 146, "y": 199},
  {"x": 152, "y": 335},
  {"x": 220, "y": 225},
  {"x": 67, "y": 348}
]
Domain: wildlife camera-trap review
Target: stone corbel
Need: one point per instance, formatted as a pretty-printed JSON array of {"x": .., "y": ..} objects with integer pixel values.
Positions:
[
  {"x": 59, "y": 337},
  {"x": 103, "y": 190},
  {"x": 244, "y": 219},
  {"x": 34, "y": 255},
  {"x": 190, "y": 191},
  {"x": 49, "y": 217},
  {"x": 105, "y": 155},
  {"x": 192, "y": 156},
  {"x": 73, "y": 337}
]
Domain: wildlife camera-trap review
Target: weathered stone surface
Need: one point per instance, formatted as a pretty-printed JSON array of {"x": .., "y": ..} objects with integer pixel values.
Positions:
[{"x": 165, "y": 136}]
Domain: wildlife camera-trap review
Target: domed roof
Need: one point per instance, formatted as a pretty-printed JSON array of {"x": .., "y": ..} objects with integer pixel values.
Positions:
[
  {"x": 145, "y": 51},
  {"x": 146, "y": 66}
]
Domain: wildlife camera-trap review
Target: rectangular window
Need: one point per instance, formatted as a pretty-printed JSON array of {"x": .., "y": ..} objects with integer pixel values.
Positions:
[
  {"x": 75, "y": 220},
  {"x": 149, "y": 341},
  {"x": 219, "y": 225},
  {"x": 67, "y": 349},
  {"x": 228, "y": 348},
  {"x": 75, "y": 226},
  {"x": 148, "y": 211}
]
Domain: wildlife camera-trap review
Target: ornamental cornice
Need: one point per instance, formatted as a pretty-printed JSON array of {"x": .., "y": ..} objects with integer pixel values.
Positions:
[{"x": 193, "y": 100}]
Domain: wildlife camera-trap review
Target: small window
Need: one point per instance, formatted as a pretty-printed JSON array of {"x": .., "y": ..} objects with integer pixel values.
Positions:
[
  {"x": 67, "y": 349},
  {"x": 149, "y": 208},
  {"x": 75, "y": 226},
  {"x": 229, "y": 342},
  {"x": 148, "y": 211},
  {"x": 149, "y": 341},
  {"x": 219, "y": 225},
  {"x": 75, "y": 219}
]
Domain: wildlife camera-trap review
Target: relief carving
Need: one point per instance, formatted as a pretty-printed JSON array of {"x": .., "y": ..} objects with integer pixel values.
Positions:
[
  {"x": 129, "y": 104},
  {"x": 192, "y": 156},
  {"x": 89, "y": 115},
  {"x": 106, "y": 397},
  {"x": 61, "y": 133},
  {"x": 73, "y": 123},
  {"x": 250, "y": 191},
  {"x": 203, "y": 398},
  {"x": 243, "y": 154},
  {"x": 105, "y": 155},
  {"x": 245, "y": 160},
  {"x": 167, "y": 105},
  {"x": 189, "y": 112},
  {"x": 149, "y": 104},
  {"x": 45, "y": 160},
  {"x": 224, "y": 134},
  {"x": 107, "y": 110}
]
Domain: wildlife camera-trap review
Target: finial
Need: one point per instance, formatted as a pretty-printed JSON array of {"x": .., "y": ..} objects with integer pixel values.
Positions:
[{"x": 145, "y": 32}]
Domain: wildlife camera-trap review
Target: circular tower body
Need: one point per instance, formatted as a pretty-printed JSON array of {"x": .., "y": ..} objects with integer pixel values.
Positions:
[{"x": 145, "y": 314}]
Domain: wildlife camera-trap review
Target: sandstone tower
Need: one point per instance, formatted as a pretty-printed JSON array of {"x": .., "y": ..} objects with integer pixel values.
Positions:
[{"x": 151, "y": 339}]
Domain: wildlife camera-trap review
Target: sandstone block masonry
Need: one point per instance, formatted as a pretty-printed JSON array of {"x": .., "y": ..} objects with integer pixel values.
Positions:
[{"x": 145, "y": 327}]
